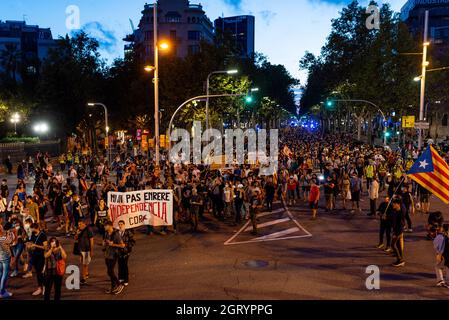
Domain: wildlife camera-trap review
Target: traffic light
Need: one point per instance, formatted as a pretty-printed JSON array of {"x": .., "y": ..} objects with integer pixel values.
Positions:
[
  {"x": 330, "y": 105},
  {"x": 249, "y": 99},
  {"x": 387, "y": 134}
]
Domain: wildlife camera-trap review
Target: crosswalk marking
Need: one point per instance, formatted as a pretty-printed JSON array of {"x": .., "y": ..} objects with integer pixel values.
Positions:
[
  {"x": 279, "y": 234},
  {"x": 270, "y": 223}
]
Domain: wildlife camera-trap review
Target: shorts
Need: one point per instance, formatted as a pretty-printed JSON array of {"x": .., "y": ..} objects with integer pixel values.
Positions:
[
  {"x": 85, "y": 258},
  {"x": 313, "y": 205}
]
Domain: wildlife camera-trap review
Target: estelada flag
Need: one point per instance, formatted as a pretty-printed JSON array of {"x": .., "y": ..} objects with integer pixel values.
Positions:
[
  {"x": 432, "y": 172},
  {"x": 288, "y": 152}
]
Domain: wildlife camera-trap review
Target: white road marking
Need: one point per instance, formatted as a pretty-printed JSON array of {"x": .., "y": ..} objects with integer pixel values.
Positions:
[
  {"x": 279, "y": 234},
  {"x": 269, "y": 223},
  {"x": 275, "y": 236},
  {"x": 267, "y": 240},
  {"x": 297, "y": 223}
]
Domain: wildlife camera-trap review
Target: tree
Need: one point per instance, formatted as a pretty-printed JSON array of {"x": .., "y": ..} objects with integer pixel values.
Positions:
[
  {"x": 371, "y": 61},
  {"x": 9, "y": 59},
  {"x": 71, "y": 76}
]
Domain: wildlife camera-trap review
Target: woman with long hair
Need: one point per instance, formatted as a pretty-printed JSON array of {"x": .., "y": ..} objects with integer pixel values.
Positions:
[
  {"x": 55, "y": 257},
  {"x": 15, "y": 207}
]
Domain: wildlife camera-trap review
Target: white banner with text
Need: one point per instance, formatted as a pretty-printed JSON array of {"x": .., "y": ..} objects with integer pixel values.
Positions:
[{"x": 141, "y": 208}]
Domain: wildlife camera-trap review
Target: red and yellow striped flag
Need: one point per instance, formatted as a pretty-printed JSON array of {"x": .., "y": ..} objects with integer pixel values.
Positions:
[{"x": 432, "y": 172}]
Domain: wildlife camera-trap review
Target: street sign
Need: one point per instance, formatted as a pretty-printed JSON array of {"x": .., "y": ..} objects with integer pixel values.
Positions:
[
  {"x": 408, "y": 121},
  {"x": 163, "y": 141},
  {"x": 422, "y": 125},
  {"x": 144, "y": 143}
]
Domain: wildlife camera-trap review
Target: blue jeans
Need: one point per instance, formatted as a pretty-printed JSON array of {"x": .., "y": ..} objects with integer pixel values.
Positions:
[
  {"x": 17, "y": 252},
  {"x": 4, "y": 271}
]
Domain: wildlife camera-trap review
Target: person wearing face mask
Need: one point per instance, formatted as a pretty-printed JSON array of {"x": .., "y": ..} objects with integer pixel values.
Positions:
[
  {"x": 239, "y": 200},
  {"x": 123, "y": 257},
  {"x": 228, "y": 196},
  {"x": 15, "y": 206},
  {"x": 55, "y": 256},
  {"x": 196, "y": 202},
  {"x": 28, "y": 267},
  {"x": 112, "y": 243},
  {"x": 37, "y": 246},
  {"x": 17, "y": 246},
  {"x": 6, "y": 240}
]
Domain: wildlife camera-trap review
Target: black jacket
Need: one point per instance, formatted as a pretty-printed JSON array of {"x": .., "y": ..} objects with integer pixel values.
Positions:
[
  {"x": 128, "y": 240},
  {"x": 398, "y": 222}
]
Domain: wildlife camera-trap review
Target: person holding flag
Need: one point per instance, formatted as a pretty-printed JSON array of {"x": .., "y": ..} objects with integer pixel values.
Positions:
[{"x": 432, "y": 173}]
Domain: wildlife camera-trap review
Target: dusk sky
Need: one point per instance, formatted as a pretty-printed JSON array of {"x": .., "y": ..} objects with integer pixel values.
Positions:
[{"x": 285, "y": 29}]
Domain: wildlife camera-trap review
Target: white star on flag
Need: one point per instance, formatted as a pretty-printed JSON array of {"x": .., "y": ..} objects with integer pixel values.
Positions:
[{"x": 423, "y": 164}]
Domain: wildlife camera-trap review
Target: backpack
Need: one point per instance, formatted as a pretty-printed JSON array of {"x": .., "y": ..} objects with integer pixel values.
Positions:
[{"x": 356, "y": 185}]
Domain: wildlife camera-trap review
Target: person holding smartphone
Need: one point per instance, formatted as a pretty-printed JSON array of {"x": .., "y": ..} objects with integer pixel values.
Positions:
[
  {"x": 53, "y": 277},
  {"x": 38, "y": 245}
]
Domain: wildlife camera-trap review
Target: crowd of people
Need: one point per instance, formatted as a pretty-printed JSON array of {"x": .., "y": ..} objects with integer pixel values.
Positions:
[{"x": 71, "y": 192}]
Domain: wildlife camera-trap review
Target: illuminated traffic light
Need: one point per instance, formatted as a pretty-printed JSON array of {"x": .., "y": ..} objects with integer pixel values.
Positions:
[
  {"x": 387, "y": 134},
  {"x": 249, "y": 99},
  {"x": 330, "y": 105}
]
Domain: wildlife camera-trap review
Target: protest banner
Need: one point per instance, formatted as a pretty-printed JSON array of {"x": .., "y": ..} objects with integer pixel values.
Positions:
[{"x": 141, "y": 208}]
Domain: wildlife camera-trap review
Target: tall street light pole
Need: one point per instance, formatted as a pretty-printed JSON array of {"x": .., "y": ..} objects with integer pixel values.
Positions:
[
  {"x": 425, "y": 63},
  {"x": 15, "y": 119},
  {"x": 91, "y": 104},
  {"x": 156, "y": 86},
  {"x": 230, "y": 72}
]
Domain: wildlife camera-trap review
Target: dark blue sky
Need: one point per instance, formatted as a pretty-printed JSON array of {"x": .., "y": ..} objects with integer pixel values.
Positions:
[{"x": 285, "y": 29}]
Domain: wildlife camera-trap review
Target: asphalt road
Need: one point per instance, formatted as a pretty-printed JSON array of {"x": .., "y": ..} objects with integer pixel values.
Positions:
[{"x": 322, "y": 259}]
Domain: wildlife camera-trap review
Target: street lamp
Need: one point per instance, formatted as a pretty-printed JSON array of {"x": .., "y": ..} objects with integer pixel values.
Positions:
[
  {"x": 41, "y": 128},
  {"x": 228, "y": 72},
  {"x": 425, "y": 64},
  {"x": 163, "y": 46},
  {"x": 15, "y": 119},
  {"x": 94, "y": 104}
]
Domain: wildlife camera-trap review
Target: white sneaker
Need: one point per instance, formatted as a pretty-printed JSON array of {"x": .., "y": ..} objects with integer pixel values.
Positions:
[
  {"x": 27, "y": 275},
  {"x": 6, "y": 295},
  {"x": 13, "y": 274},
  {"x": 442, "y": 284},
  {"x": 38, "y": 292}
]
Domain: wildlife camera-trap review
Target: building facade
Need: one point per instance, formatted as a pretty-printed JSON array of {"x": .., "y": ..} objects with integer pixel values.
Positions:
[
  {"x": 240, "y": 30},
  {"x": 23, "y": 47},
  {"x": 181, "y": 23},
  {"x": 413, "y": 13}
]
